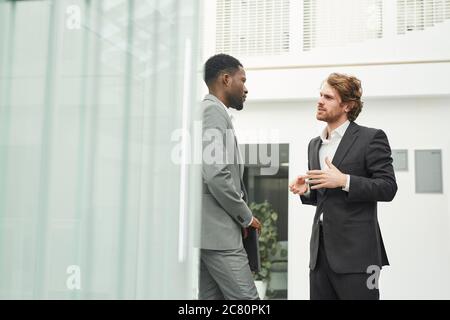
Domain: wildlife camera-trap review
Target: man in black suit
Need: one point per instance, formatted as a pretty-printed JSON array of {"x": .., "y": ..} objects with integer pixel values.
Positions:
[{"x": 350, "y": 170}]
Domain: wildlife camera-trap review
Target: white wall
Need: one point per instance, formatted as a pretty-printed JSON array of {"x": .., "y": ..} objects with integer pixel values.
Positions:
[
  {"x": 405, "y": 84},
  {"x": 398, "y": 80},
  {"x": 424, "y": 45},
  {"x": 415, "y": 227}
]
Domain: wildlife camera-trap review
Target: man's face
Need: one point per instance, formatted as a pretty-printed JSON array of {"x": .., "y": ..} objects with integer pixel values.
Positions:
[
  {"x": 237, "y": 92},
  {"x": 329, "y": 106}
]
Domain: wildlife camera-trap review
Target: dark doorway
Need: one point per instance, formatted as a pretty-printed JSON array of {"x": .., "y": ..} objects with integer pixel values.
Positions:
[{"x": 271, "y": 185}]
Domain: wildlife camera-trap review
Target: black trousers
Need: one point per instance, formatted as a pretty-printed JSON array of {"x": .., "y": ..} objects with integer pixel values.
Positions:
[{"x": 325, "y": 284}]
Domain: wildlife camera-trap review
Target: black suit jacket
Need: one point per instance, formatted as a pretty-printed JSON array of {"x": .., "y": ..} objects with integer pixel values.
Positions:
[{"x": 352, "y": 236}]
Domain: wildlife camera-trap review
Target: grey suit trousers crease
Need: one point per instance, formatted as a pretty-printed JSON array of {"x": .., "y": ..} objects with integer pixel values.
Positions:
[{"x": 225, "y": 275}]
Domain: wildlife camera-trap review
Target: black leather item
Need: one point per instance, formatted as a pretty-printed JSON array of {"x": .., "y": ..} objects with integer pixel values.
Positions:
[{"x": 251, "y": 246}]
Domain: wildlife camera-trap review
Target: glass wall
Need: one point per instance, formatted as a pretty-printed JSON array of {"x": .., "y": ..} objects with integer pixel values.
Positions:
[{"x": 92, "y": 203}]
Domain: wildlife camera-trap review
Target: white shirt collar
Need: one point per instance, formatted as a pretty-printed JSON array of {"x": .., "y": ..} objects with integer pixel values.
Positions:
[{"x": 340, "y": 131}]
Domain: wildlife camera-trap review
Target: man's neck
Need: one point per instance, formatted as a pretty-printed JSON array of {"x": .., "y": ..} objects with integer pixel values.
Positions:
[
  {"x": 333, "y": 125},
  {"x": 219, "y": 96}
]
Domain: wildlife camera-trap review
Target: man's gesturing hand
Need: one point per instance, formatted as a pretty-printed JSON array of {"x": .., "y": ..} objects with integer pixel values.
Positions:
[
  {"x": 329, "y": 179},
  {"x": 298, "y": 185}
]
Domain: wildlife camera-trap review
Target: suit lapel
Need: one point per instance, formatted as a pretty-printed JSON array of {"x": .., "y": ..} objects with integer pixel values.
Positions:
[
  {"x": 314, "y": 162},
  {"x": 212, "y": 98},
  {"x": 237, "y": 151},
  {"x": 347, "y": 141}
]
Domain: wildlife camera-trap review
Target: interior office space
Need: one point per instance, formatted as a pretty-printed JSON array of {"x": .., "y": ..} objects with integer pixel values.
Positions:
[
  {"x": 93, "y": 204},
  {"x": 396, "y": 49}
]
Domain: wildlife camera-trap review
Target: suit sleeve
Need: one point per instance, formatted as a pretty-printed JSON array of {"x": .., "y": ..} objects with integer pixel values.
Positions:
[
  {"x": 380, "y": 185},
  {"x": 216, "y": 169},
  {"x": 309, "y": 197}
]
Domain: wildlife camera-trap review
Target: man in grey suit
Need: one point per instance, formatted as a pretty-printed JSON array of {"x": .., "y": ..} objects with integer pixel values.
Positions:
[
  {"x": 224, "y": 266},
  {"x": 350, "y": 170}
]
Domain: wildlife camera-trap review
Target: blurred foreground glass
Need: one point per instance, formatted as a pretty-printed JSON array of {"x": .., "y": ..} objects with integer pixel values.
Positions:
[{"x": 91, "y": 206}]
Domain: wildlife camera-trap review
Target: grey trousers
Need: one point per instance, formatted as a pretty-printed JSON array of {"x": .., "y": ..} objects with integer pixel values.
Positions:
[{"x": 226, "y": 275}]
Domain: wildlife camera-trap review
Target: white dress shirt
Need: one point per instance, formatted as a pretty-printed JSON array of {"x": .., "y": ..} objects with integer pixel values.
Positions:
[{"x": 329, "y": 147}]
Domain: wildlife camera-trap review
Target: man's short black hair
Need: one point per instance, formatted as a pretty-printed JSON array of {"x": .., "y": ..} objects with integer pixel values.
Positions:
[{"x": 220, "y": 63}]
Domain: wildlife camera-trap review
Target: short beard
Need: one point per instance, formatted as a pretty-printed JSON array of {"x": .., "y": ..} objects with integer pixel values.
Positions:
[
  {"x": 236, "y": 103},
  {"x": 238, "y": 107},
  {"x": 329, "y": 119}
]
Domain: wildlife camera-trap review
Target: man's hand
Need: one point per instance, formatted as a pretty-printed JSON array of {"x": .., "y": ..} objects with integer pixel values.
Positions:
[
  {"x": 298, "y": 185},
  {"x": 329, "y": 179},
  {"x": 256, "y": 224}
]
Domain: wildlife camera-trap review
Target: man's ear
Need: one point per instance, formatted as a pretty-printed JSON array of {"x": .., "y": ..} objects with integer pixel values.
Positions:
[
  {"x": 348, "y": 107},
  {"x": 226, "y": 78}
]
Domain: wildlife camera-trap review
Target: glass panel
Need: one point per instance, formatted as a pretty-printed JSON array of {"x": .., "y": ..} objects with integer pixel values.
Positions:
[{"x": 91, "y": 206}]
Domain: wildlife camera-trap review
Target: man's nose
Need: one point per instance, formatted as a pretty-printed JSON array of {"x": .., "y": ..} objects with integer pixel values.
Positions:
[{"x": 245, "y": 90}]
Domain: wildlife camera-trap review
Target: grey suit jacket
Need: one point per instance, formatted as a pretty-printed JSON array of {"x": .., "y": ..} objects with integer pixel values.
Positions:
[
  {"x": 224, "y": 211},
  {"x": 352, "y": 236}
]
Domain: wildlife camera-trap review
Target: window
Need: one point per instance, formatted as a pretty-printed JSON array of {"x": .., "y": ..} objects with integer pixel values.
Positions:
[
  {"x": 252, "y": 27},
  {"x": 323, "y": 26},
  {"x": 414, "y": 15}
]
